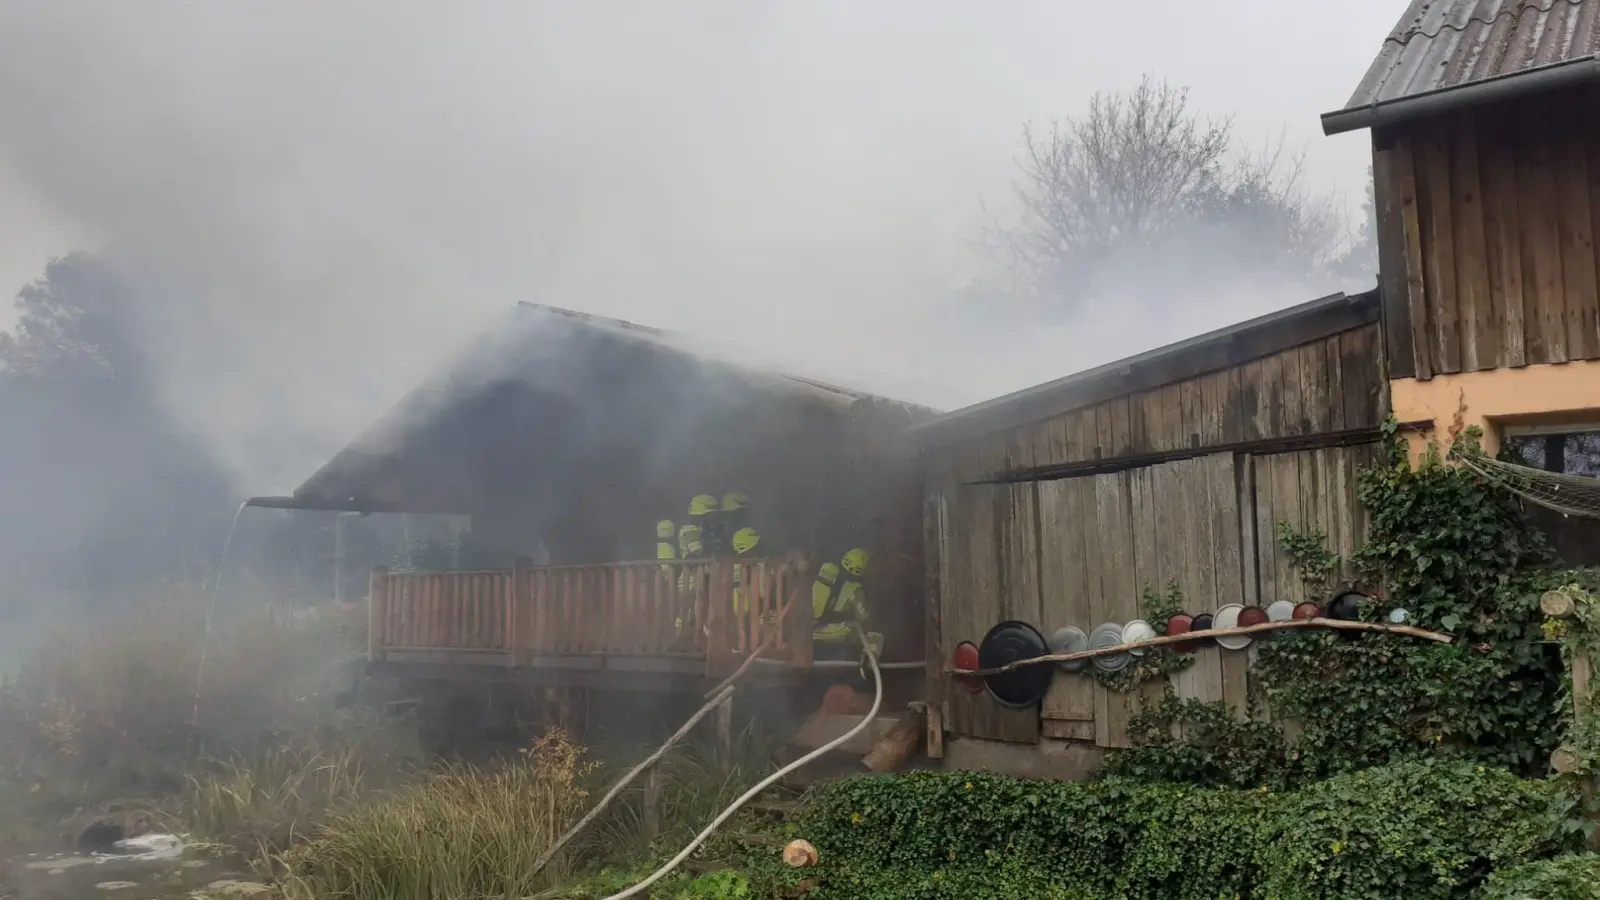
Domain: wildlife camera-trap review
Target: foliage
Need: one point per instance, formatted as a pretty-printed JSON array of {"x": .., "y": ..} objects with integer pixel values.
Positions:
[
  {"x": 466, "y": 832},
  {"x": 1572, "y": 877},
  {"x": 1579, "y": 637},
  {"x": 1142, "y": 187},
  {"x": 120, "y": 711},
  {"x": 108, "y": 484},
  {"x": 1454, "y": 552},
  {"x": 1308, "y": 551},
  {"x": 1157, "y": 663},
  {"x": 1193, "y": 742},
  {"x": 261, "y": 804},
  {"x": 1419, "y": 830}
]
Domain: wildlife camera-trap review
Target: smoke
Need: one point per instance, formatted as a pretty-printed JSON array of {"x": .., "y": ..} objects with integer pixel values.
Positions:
[{"x": 332, "y": 198}]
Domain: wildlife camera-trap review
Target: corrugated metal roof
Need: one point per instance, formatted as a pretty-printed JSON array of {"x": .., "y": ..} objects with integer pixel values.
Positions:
[{"x": 1442, "y": 44}]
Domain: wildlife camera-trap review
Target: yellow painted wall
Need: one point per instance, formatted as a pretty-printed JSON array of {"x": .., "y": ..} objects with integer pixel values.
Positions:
[{"x": 1493, "y": 398}]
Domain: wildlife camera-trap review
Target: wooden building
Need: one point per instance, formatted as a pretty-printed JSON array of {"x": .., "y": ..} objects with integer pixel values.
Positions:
[
  {"x": 565, "y": 438},
  {"x": 1485, "y": 125},
  {"x": 1061, "y": 504}
]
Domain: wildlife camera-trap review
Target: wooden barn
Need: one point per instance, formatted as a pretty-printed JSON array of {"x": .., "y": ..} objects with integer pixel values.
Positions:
[
  {"x": 564, "y": 438},
  {"x": 1059, "y": 505},
  {"x": 1485, "y": 124}
]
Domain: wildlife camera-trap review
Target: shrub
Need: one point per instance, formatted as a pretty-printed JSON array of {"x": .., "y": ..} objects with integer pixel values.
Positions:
[
  {"x": 1417, "y": 830},
  {"x": 466, "y": 832},
  {"x": 1574, "y": 877},
  {"x": 112, "y": 711}
]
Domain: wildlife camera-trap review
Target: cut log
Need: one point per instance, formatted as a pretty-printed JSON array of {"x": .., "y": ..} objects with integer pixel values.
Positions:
[
  {"x": 1556, "y": 604},
  {"x": 800, "y": 854},
  {"x": 898, "y": 745}
]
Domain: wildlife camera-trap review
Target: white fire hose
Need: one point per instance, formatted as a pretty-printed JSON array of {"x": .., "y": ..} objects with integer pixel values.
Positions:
[{"x": 877, "y": 701}]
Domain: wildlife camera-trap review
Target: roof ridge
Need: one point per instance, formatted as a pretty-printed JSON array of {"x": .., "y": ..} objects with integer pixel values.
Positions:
[{"x": 1510, "y": 10}]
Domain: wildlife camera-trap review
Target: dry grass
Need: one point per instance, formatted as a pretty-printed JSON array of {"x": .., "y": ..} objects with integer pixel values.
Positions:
[
  {"x": 263, "y": 805},
  {"x": 465, "y": 832},
  {"x": 108, "y": 708}
]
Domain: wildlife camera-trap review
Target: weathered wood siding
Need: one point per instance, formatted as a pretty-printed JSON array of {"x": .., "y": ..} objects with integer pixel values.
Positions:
[
  {"x": 1487, "y": 223},
  {"x": 1081, "y": 550},
  {"x": 1328, "y": 385}
]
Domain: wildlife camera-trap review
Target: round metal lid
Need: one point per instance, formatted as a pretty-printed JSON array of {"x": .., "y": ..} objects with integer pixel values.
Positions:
[
  {"x": 966, "y": 658},
  {"x": 1108, "y": 634},
  {"x": 1227, "y": 616},
  {"x": 1280, "y": 611},
  {"x": 1009, "y": 642},
  {"x": 1070, "y": 639},
  {"x": 1136, "y": 631}
]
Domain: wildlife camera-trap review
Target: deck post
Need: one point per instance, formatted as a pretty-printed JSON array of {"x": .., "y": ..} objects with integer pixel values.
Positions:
[
  {"x": 377, "y": 594},
  {"x": 518, "y": 598}
]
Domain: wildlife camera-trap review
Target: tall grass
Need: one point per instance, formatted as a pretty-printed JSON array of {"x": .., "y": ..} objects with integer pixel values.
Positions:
[
  {"x": 263, "y": 804},
  {"x": 464, "y": 832},
  {"x": 108, "y": 708}
]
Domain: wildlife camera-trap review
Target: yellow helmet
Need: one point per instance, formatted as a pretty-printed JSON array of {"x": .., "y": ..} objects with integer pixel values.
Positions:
[
  {"x": 665, "y": 530},
  {"x": 745, "y": 540},
  {"x": 855, "y": 562},
  {"x": 702, "y": 504},
  {"x": 827, "y": 573},
  {"x": 733, "y": 501}
]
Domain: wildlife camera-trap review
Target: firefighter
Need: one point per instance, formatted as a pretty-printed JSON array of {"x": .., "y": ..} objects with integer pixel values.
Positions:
[
  {"x": 839, "y": 603},
  {"x": 691, "y": 546},
  {"x": 743, "y": 544},
  {"x": 692, "y": 534},
  {"x": 733, "y": 513}
]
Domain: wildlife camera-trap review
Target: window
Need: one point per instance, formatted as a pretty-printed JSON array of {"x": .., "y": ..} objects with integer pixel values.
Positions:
[{"x": 1570, "y": 450}]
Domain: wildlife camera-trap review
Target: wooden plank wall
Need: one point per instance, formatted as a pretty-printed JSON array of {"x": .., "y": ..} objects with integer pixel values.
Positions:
[
  {"x": 1328, "y": 385},
  {"x": 1487, "y": 223},
  {"x": 1082, "y": 550},
  {"x": 1309, "y": 489}
]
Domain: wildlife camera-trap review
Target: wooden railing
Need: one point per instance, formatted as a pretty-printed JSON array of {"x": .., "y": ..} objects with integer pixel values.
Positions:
[{"x": 685, "y": 610}]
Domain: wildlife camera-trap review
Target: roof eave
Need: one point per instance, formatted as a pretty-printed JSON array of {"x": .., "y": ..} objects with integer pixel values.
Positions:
[{"x": 1476, "y": 93}]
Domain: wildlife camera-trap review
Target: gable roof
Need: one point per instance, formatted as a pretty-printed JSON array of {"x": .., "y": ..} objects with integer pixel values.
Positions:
[
  {"x": 1446, "y": 54},
  {"x": 1210, "y": 352},
  {"x": 585, "y": 358}
]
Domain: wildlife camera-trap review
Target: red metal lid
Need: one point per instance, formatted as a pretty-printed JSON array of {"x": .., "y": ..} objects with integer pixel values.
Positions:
[
  {"x": 1307, "y": 610},
  {"x": 1251, "y": 615},
  {"x": 966, "y": 657}
]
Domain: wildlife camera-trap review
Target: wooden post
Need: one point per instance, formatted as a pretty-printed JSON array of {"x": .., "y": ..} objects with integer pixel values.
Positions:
[
  {"x": 519, "y": 606},
  {"x": 377, "y": 595},
  {"x": 725, "y": 731},
  {"x": 1580, "y": 669},
  {"x": 651, "y": 812}
]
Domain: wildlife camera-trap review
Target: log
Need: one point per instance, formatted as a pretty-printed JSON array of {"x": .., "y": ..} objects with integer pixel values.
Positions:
[
  {"x": 800, "y": 854},
  {"x": 898, "y": 745},
  {"x": 1197, "y": 636},
  {"x": 1557, "y": 604},
  {"x": 1564, "y": 760}
]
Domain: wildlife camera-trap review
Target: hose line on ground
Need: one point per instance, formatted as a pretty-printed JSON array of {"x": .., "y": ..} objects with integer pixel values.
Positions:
[{"x": 877, "y": 701}]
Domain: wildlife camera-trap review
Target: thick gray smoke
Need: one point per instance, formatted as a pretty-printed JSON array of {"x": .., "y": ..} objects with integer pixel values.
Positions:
[{"x": 333, "y": 196}]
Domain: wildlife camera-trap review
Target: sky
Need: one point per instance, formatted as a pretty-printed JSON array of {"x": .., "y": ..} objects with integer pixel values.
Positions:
[{"x": 343, "y": 193}]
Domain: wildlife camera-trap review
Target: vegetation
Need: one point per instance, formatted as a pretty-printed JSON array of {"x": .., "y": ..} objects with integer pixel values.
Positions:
[
  {"x": 1455, "y": 553},
  {"x": 1426, "y": 829},
  {"x": 1573, "y": 877}
]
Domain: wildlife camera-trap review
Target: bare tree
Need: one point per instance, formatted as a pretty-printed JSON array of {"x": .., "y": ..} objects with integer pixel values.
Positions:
[{"x": 1142, "y": 178}]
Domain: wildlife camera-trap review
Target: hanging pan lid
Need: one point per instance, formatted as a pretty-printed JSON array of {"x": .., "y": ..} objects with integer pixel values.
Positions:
[
  {"x": 1007, "y": 643},
  {"x": 1136, "y": 632},
  {"x": 1227, "y": 616},
  {"x": 1108, "y": 634},
  {"x": 1069, "y": 639}
]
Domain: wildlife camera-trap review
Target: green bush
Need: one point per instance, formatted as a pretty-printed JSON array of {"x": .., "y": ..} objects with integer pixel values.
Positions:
[
  {"x": 1417, "y": 830},
  {"x": 1575, "y": 877}
]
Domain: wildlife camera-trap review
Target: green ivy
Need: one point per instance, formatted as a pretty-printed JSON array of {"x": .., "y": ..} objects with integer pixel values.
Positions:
[
  {"x": 1420, "y": 830},
  {"x": 1157, "y": 662},
  {"x": 1455, "y": 552},
  {"x": 1193, "y": 742},
  {"x": 1573, "y": 877}
]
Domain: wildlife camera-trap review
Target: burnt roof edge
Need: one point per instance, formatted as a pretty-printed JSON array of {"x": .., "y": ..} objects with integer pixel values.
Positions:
[{"x": 1334, "y": 313}]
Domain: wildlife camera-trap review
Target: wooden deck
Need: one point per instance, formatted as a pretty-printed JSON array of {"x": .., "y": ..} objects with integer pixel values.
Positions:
[{"x": 613, "y": 617}]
